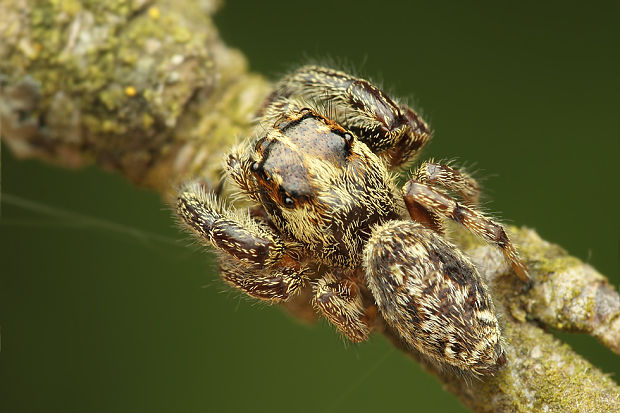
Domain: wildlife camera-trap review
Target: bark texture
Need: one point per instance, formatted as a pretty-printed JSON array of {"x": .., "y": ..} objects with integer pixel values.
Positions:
[
  {"x": 149, "y": 90},
  {"x": 143, "y": 88}
]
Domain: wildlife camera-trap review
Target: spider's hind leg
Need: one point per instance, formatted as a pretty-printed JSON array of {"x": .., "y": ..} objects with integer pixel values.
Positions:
[
  {"x": 442, "y": 176},
  {"x": 417, "y": 194},
  {"x": 454, "y": 180}
]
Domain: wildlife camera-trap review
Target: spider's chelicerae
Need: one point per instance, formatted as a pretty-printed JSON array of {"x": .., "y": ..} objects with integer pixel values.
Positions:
[{"x": 327, "y": 214}]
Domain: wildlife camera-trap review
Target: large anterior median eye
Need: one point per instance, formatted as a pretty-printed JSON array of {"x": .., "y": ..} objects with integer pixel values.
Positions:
[
  {"x": 288, "y": 201},
  {"x": 291, "y": 198}
]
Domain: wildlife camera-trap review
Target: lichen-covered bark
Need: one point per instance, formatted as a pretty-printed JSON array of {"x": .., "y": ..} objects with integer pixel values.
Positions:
[
  {"x": 148, "y": 89},
  {"x": 543, "y": 374},
  {"x": 141, "y": 87},
  {"x": 569, "y": 295}
]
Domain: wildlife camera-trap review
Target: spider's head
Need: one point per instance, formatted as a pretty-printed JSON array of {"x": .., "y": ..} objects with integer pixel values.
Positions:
[{"x": 320, "y": 185}]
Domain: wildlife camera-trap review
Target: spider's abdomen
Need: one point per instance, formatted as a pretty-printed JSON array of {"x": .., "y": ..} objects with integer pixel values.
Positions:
[{"x": 433, "y": 297}]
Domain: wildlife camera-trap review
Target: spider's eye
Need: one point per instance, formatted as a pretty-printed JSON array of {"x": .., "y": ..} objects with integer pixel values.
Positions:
[
  {"x": 255, "y": 166},
  {"x": 348, "y": 137},
  {"x": 288, "y": 201}
]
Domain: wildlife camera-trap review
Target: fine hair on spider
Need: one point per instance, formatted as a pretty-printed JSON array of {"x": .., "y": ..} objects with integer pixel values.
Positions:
[{"x": 325, "y": 219}]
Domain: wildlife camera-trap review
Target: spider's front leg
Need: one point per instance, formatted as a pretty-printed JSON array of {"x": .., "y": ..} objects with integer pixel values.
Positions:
[
  {"x": 417, "y": 194},
  {"x": 339, "y": 300},
  {"x": 278, "y": 283},
  {"x": 389, "y": 129},
  {"x": 252, "y": 257},
  {"x": 432, "y": 296}
]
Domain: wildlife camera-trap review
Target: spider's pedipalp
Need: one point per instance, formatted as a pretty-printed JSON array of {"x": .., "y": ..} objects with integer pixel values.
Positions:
[{"x": 433, "y": 297}]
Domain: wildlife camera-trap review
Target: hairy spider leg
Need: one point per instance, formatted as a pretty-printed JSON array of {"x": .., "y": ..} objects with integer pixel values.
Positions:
[
  {"x": 339, "y": 300},
  {"x": 443, "y": 176},
  {"x": 281, "y": 282},
  {"x": 394, "y": 131},
  {"x": 253, "y": 258},
  {"x": 457, "y": 181},
  {"x": 416, "y": 193}
]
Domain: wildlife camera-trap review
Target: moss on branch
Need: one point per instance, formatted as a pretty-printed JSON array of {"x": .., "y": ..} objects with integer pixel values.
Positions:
[{"x": 143, "y": 88}]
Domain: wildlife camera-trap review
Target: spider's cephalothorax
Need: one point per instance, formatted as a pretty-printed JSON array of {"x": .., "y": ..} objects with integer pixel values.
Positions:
[
  {"x": 319, "y": 185},
  {"x": 327, "y": 215}
]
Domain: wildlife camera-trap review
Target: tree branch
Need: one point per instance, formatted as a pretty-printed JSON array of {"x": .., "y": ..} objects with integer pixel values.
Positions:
[
  {"x": 149, "y": 90},
  {"x": 143, "y": 88}
]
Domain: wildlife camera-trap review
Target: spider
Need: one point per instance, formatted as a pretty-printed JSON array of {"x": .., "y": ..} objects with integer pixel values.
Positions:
[{"x": 326, "y": 212}]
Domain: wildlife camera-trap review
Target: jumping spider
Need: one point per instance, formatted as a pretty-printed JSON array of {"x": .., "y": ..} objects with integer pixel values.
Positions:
[{"x": 326, "y": 211}]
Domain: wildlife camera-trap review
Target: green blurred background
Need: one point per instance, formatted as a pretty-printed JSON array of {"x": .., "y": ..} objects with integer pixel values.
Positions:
[{"x": 96, "y": 319}]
